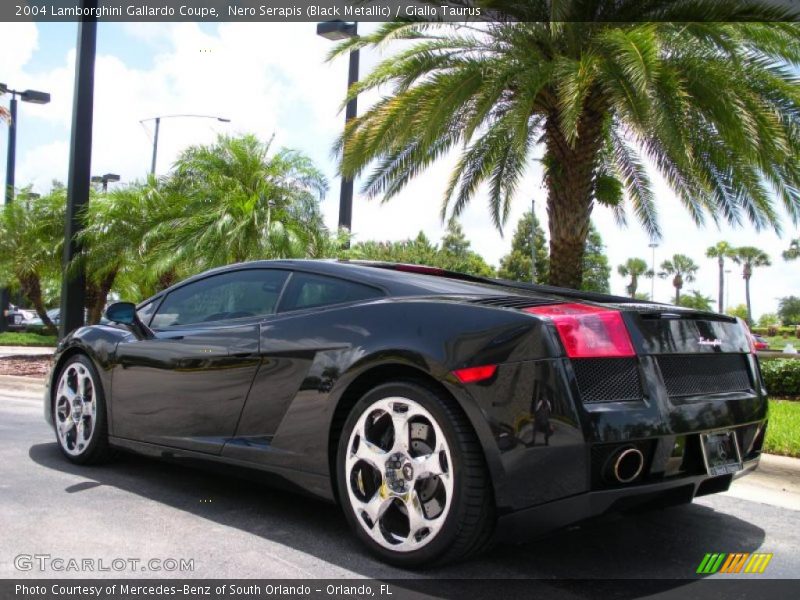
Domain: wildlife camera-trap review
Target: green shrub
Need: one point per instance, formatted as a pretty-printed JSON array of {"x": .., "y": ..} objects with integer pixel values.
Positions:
[
  {"x": 774, "y": 331},
  {"x": 782, "y": 377}
]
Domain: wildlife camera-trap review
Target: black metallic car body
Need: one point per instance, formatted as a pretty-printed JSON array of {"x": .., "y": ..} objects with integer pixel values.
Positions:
[{"x": 271, "y": 392}]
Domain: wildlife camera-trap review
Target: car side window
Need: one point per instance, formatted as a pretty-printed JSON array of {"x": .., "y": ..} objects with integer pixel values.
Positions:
[
  {"x": 308, "y": 291},
  {"x": 146, "y": 312},
  {"x": 246, "y": 293}
]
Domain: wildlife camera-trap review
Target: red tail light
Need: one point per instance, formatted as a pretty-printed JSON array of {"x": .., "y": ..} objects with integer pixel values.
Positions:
[
  {"x": 473, "y": 374},
  {"x": 588, "y": 331}
]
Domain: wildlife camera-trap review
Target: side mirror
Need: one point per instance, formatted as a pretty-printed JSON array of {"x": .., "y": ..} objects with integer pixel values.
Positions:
[{"x": 124, "y": 313}]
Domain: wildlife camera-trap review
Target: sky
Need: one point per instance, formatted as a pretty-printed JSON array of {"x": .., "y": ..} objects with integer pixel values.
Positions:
[{"x": 272, "y": 79}]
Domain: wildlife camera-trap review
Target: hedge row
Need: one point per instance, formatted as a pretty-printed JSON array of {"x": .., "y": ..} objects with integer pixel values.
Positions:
[
  {"x": 782, "y": 377},
  {"x": 774, "y": 330}
]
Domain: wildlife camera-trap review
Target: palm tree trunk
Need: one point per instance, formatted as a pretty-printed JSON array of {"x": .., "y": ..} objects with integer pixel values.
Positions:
[
  {"x": 569, "y": 174},
  {"x": 100, "y": 297},
  {"x": 677, "y": 294},
  {"x": 721, "y": 263},
  {"x": 747, "y": 300},
  {"x": 32, "y": 289}
]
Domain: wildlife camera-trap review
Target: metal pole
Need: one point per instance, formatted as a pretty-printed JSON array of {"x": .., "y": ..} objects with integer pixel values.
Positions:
[
  {"x": 9, "y": 195},
  {"x": 11, "y": 159},
  {"x": 155, "y": 147},
  {"x": 533, "y": 240},
  {"x": 73, "y": 284},
  {"x": 346, "y": 195}
]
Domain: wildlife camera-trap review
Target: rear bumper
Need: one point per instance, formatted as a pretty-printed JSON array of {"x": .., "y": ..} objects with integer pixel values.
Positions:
[{"x": 524, "y": 524}]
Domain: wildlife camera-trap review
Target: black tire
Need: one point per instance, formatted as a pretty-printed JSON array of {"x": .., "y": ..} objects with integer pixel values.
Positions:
[
  {"x": 97, "y": 450},
  {"x": 467, "y": 528}
]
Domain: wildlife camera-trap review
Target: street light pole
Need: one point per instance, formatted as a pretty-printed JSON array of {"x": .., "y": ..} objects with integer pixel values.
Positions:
[
  {"x": 11, "y": 160},
  {"x": 73, "y": 282},
  {"x": 158, "y": 128},
  {"x": 338, "y": 30},
  {"x": 653, "y": 246},
  {"x": 155, "y": 146},
  {"x": 104, "y": 180}
]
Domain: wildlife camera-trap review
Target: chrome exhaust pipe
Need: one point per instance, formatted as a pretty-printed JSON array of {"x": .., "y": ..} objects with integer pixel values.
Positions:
[{"x": 627, "y": 464}]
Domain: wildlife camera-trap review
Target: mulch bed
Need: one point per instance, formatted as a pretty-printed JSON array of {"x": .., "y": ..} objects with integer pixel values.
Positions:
[{"x": 25, "y": 366}]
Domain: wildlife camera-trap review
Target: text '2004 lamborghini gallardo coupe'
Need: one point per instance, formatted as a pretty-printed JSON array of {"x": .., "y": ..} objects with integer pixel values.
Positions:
[{"x": 441, "y": 411}]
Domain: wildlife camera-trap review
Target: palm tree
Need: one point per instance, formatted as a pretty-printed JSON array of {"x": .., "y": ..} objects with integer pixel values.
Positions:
[
  {"x": 794, "y": 250},
  {"x": 682, "y": 269},
  {"x": 634, "y": 268},
  {"x": 118, "y": 227},
  {"x": 720, "y": 251},
  {"x": 714, "y": 106},
  {"x": 234, "y": 201},
  {"x": 695, "y": 299},
  {"x": 31, "y": 242},
  {"x": 750, "y": 258}
]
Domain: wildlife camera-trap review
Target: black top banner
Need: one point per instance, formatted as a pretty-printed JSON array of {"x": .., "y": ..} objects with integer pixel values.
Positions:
[{"x": 402, "y": 10}]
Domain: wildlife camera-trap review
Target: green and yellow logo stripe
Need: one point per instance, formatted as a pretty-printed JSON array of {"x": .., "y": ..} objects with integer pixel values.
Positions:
[{"x": 735, "y": 562}]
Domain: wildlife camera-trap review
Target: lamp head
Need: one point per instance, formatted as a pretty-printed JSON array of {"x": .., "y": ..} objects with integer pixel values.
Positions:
[
  {"x": 35, "y": 97},
  {"x": 336, "y": 30}
]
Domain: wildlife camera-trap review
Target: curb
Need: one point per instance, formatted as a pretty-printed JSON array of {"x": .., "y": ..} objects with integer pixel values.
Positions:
[{"x": 773, "y": 465}]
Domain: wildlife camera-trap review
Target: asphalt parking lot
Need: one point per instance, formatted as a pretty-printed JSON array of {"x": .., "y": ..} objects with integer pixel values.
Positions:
[{"x": 231, "y": 527}]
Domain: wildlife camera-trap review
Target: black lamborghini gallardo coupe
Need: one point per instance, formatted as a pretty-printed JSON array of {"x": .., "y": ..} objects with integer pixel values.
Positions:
[{"x": 440, "y": 410}]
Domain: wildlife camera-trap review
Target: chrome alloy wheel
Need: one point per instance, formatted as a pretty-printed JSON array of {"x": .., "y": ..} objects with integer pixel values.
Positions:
[
  {"x": 399, "y": 470},
  {"x": 75, "y": 409}
]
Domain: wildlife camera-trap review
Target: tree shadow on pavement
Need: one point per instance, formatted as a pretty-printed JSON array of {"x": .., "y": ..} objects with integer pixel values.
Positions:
[{"x": 653, "y": 551}]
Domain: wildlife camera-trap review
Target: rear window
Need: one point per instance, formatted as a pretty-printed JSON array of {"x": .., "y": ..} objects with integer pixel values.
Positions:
[{"x": 310, "y": 291}]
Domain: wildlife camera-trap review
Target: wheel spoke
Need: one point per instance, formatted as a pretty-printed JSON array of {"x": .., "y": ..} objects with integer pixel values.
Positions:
[
  {"x": 65, "y": 426},
  {"x": 80, "y": 430},
  {"x": 375, "y": 507},
  {"x": 400, "y": 422},
  {"x": 416, "y": 517},
  {"x": 429, "y": 465}
]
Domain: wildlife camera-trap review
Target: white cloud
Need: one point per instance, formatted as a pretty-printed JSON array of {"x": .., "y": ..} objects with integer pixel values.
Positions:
[{"x": 20, "y": 41}]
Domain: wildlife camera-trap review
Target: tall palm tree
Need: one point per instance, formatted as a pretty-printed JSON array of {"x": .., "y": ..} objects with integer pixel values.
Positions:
[
  {"x": 634, "y": 268},
  {"x": 236, "y": 201},
  {"x": 720, "y": 251},
  {"x": 682, "y": 269},
  {"x": 750, "y": 258},
  {"x": 714, "y": 106}
]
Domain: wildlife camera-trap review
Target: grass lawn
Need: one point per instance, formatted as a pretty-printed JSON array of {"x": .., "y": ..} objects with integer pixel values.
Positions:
[
  {"x": 783, "y": 431},
  {"x": 13, "y": 338},
  {"x": 779, "y": 342}
]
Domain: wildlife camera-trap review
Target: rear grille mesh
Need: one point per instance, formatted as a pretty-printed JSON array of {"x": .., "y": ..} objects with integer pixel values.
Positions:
[
  {"x": 512, "y": 301},
  {"x": 607, "y": 379},
  {"x": 698, "y": 374}
]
